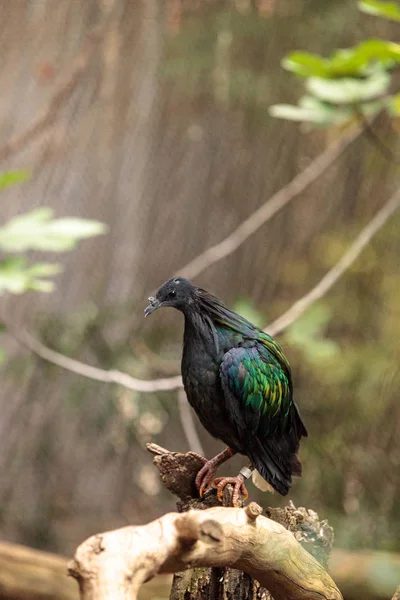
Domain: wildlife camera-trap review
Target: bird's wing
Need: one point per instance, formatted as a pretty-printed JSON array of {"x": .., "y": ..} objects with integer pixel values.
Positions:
[
  {"x": 258, "y": 395},
  {"x": 257, "y": 391}
]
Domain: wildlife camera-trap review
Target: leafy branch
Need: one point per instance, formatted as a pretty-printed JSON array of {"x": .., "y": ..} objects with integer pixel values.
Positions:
[
  {"x": 348, "y": 83},
  {"x": 37, "y": 230},
  {"x": 273, "y": 205}
]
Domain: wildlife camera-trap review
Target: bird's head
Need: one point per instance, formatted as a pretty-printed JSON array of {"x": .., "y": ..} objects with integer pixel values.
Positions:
[{"x": 177, "y": 292}]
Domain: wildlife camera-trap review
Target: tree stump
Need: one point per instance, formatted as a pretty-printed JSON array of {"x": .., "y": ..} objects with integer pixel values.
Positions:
[{"x": 178, "y": 472}]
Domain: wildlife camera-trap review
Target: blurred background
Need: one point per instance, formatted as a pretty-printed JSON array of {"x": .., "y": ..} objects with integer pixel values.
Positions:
[{"x": 152, "y": 117}]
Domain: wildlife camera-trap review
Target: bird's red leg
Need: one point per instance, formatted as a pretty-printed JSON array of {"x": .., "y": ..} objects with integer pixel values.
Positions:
[{"x": 206, "y": 474}]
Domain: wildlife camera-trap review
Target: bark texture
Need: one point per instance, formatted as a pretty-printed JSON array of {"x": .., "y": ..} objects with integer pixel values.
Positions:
[
  {"x": 214, "y": 544},
  {"x": 113, "y": 565},
  {"x": 27, "y": 574}
]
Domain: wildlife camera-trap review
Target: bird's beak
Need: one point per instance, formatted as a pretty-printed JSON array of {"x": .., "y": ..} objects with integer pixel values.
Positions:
[{"x": 154, "y": 304}]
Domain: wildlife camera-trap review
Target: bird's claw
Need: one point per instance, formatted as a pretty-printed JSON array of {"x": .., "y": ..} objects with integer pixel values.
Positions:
[
  {"x": 205, "y": 477},
  {"x": 202, "y": 486},
  {"x": 238, "y": 488}
]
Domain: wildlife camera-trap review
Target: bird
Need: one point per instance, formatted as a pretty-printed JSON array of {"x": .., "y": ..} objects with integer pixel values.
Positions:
[{"x": 238, "y": 381}]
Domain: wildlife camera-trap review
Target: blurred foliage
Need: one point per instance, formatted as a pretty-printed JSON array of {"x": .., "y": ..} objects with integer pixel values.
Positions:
[
  {"x": 349, "y": 82},
  {"x": 226, "y": 54},
  {"x": 37, "y": 230},
  {"x": 11, "y": 177},
  {"x": 389, "y": 10},
  {"x": 308, "y": 334},
  {"x": 245, "y": 307}
]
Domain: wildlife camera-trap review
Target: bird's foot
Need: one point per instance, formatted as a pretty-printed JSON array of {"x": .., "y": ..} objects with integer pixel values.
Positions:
[
  {"x": 204, "y": 479},
  {"x": 238, "y": 488}
]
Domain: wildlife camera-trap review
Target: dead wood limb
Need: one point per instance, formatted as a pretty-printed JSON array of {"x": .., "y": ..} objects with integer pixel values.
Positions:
[
  {"x": 28, "y": 574},
  {"x": 266, "y": 211},
  {"x": 113, "y": 565}
]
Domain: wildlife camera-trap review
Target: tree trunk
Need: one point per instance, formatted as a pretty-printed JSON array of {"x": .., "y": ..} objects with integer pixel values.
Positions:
[
  {"x": 177, "y": 473},
  {"x": 215, "y": 584},
  {"x": 229, "y": 552}
]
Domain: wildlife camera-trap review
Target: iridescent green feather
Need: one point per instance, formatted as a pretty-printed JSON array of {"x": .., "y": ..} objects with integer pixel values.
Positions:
[
  {"x": 258, "y": 380},
  {"x": 258, "y": 373}
]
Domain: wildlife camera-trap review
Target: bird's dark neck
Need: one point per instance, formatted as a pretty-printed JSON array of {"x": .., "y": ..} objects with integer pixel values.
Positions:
[{"x": 199, "y": 332}]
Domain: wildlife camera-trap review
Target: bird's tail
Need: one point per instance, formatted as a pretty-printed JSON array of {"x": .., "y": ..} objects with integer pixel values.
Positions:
[
  {"x": 276, "y": 459},
  {"x": 271, "y": 464},
  {"x": 263, "y": 485}
]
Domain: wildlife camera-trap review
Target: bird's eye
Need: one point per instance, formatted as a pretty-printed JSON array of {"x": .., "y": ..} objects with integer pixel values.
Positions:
[{"x": 172, "y": 294}]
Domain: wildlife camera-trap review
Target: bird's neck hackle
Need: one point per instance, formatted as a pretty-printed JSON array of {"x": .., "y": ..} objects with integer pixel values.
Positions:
[{"x": 200, "y": 329}]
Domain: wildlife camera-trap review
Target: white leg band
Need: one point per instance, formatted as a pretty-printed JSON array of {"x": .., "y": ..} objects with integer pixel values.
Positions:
[{"x": 246, "y": 472}]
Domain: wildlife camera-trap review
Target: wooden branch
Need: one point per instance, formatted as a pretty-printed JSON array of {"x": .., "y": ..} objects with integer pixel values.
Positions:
[
  {"x": 187, "y": 422},
  {"x": 267, "y": 210},
  {"x": 339, "y": 269},
  {"x": 80, "y": 368},
  {"x": 113, "y": 565},
  {"x": 28, "y": 574}
]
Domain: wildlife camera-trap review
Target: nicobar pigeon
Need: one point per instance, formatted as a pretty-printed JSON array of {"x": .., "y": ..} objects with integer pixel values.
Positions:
[{"x": 238, "y": 381}]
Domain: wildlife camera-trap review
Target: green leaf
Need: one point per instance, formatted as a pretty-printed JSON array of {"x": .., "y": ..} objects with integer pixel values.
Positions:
[
  {"x": 312, "y": 110},
  {"x": 293, "y": 113},
  {"x": 305, "y": 64},
  {"x": 389, "y": 10},
  {"x": 348, "y": 62},
  {"x": 42, "y": 285},
  {"x": 348, "y": 90},
  {"x": 37, "y": 231},
  {"x": 12, "y": 177},
  {"x": 76, "y": 228},
  {"x": 17, "y": 277},
  {"x": 2, "y": 355},
  {"x": 45, "y": 269}
]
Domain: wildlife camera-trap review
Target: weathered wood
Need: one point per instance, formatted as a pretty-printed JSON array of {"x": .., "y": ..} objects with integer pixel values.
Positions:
[
  {"x": 27, "y": 574},
  {"x": 178, "y": 472},
  {"x": 113, "y": 565}
]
